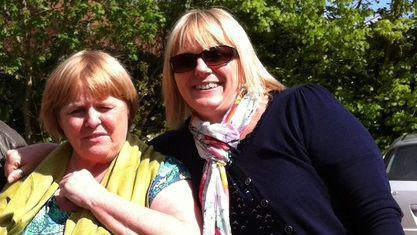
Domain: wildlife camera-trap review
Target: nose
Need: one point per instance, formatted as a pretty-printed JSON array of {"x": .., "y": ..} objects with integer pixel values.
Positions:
[
  {"x": 93, "y": 118},
  {"x": 201, "y": 68}
]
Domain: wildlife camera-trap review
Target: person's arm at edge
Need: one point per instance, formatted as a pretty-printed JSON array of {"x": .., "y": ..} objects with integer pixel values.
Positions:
[{"x": 26, "y": 159}]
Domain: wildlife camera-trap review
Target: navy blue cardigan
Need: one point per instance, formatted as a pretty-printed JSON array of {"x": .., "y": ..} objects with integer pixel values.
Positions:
[{"x": 312, "y": 161}]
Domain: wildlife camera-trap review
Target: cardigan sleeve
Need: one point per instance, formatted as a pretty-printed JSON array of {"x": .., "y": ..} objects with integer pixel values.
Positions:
[{"x": 348, "y": 160}]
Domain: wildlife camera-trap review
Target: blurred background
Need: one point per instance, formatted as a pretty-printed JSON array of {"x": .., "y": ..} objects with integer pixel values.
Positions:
[{"x": 364, "y": 52}]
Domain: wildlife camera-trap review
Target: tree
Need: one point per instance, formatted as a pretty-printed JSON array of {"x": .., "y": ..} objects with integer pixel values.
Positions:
[
  {"x": 369, "y": 66},
  {"x": 38, "y": 34},
  {"x": 365, "y": 57}
]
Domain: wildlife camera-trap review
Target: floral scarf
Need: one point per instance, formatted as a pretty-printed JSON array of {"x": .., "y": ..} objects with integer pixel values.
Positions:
[{"x": 214, "y": 143}]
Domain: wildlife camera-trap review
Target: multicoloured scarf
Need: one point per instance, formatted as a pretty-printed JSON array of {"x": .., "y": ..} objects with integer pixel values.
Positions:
[{"x": 214, "y": 143}]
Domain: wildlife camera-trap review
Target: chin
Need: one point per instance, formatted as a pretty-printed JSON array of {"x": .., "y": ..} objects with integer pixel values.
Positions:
[
  {"x": 210, "y": 103},
  {"x": 99, "y": 152}
]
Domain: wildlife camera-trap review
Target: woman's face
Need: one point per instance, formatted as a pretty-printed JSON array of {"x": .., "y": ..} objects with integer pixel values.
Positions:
[
  {"x": 208, "y": 91},
  {"x": 96, "y": 129}
]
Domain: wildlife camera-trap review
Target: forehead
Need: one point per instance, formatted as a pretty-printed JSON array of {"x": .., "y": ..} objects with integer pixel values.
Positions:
[
  {"x": 190, "y": 48},
  {"x": 87, "y": 100},
  {"x": 86, "y": 95},
  {"x": 195, "y": 40},
  {"x": 82, "y": 97}
]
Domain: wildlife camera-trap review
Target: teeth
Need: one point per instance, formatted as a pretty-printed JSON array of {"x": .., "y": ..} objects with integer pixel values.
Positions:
[{"x": 206, "y": 86}]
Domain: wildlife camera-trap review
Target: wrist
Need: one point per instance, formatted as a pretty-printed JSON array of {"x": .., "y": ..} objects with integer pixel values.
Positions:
[{"x": 99, "y": 199}]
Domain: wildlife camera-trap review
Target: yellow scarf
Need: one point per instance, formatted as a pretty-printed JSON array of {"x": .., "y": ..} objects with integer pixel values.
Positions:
[{"x": 129, "y": 176}]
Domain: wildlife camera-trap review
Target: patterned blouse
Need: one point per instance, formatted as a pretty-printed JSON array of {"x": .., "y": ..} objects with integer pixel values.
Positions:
[{"x": 51, "y": 220}]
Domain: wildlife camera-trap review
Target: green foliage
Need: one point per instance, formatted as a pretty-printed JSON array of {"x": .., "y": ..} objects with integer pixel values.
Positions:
[
  {"x": 38, "y": 34},
  {"x": 370, "y": 66}
]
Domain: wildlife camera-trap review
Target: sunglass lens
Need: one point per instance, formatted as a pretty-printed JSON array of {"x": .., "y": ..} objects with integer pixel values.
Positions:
[
  {"x": 183, "y": 62},
  {"x": 217, "y": 55},
  {"x": 212, "y": 57}
]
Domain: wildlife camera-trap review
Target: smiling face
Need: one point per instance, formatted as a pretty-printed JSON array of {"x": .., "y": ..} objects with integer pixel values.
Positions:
[
  {"x": 96, "y": 129},
  {"x": 208, "y": 90}
]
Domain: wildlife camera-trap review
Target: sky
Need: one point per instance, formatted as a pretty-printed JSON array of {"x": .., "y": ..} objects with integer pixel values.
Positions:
[{"x": 382, "y": 3}]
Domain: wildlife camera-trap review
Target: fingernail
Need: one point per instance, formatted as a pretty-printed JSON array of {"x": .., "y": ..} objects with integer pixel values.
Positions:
[{"x": 9, "y": 179}]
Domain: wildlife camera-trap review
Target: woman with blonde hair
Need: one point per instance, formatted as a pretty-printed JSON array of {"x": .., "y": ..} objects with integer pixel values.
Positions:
[
  {"x": 266, "y": 159},
  {"x": 101, "y": 179}
]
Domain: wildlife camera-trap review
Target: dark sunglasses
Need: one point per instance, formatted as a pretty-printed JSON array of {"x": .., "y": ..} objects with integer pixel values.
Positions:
[{"x": 214, "y": 56}]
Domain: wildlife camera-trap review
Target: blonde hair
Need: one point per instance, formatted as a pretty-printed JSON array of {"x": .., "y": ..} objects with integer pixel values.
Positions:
[
  {"x": 94, "y": 72},
  {"x": 208, "y": 28}
]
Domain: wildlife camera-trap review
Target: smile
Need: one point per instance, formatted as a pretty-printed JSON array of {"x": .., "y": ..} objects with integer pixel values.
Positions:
[{"x": 207, "y": 86}]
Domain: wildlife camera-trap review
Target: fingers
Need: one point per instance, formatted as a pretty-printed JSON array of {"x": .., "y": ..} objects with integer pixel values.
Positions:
[
  {"x": 64, "y": 180},
  {"x": 15, "y": 175},
  {"x": 12, "y": 161},
  {"x": 64, "y": 203},
  {"x": 13, "y": 169}
]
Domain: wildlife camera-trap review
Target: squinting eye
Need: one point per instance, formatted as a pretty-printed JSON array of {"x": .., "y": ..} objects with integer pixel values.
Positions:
[
  {"x": 75, "y": 111},
  {"x": 104, "y": 108}
]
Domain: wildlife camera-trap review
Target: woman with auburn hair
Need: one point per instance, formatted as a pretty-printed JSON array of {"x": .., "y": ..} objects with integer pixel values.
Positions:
[
  {"x": 266, "y": 159},
  {"x": 101, "y": 180}
]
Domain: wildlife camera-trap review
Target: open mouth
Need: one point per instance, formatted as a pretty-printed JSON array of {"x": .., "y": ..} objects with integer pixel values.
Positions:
[{"x": 207, "y": 86}]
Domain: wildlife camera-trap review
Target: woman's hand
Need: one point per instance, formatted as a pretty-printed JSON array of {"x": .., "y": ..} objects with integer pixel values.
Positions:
[
  {"x": 81, "y": 188},
  {"x": 65, "y": 204},
  {"x": 22, "y": 161}
]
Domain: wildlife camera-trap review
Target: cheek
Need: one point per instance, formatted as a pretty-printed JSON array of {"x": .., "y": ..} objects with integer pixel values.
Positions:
[
  {"x": 116, "y": 121},
  {"x": 179, "y": 80},
  {"x": 231, "y": 78},
  {"x": 181, "y": 85},
  {"x": 71, "y": 125},
  {"x": 231, "y": 73}
]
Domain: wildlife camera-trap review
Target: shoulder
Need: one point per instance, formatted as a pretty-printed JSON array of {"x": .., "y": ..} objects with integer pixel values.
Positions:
[
  {"x": 302, "y": 103},
  {"x": 180, "y": 144},
  {"x": 170, "y": 171},
  {"x": 174, "y": 168},
  {"x": 306, "y": 92},
  {"x": 171, "y": 141},
  {"x": 309, "y": 99}
]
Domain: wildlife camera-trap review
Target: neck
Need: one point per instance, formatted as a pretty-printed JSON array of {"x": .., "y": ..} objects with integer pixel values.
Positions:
[
  {"x": 263, "y": 103},
  {"x": 97, "y": 169},
  {"x": 212, "y": 118}
]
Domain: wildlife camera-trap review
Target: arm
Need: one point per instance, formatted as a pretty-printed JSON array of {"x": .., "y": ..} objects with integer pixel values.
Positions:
[
  {"x": 349, "y": 162},
  {"x": 9, "y": 139},
  {"x": 25, "y": 158},
  {"x": 173, "y": 211}
]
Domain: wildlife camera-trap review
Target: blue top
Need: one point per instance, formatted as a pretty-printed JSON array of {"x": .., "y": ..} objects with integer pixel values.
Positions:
[{"x": 308, "y": 167}]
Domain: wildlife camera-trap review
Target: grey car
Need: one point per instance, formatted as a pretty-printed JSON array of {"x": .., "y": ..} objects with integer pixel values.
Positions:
[{"x": 401, "y": 165}]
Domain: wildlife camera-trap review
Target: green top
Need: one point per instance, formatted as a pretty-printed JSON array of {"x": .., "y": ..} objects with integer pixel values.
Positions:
[{"x": 51, "y": 220}]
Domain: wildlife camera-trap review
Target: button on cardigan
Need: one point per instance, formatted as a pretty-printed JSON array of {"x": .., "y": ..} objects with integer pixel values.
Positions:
[{"x": 312, "y": 164}]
